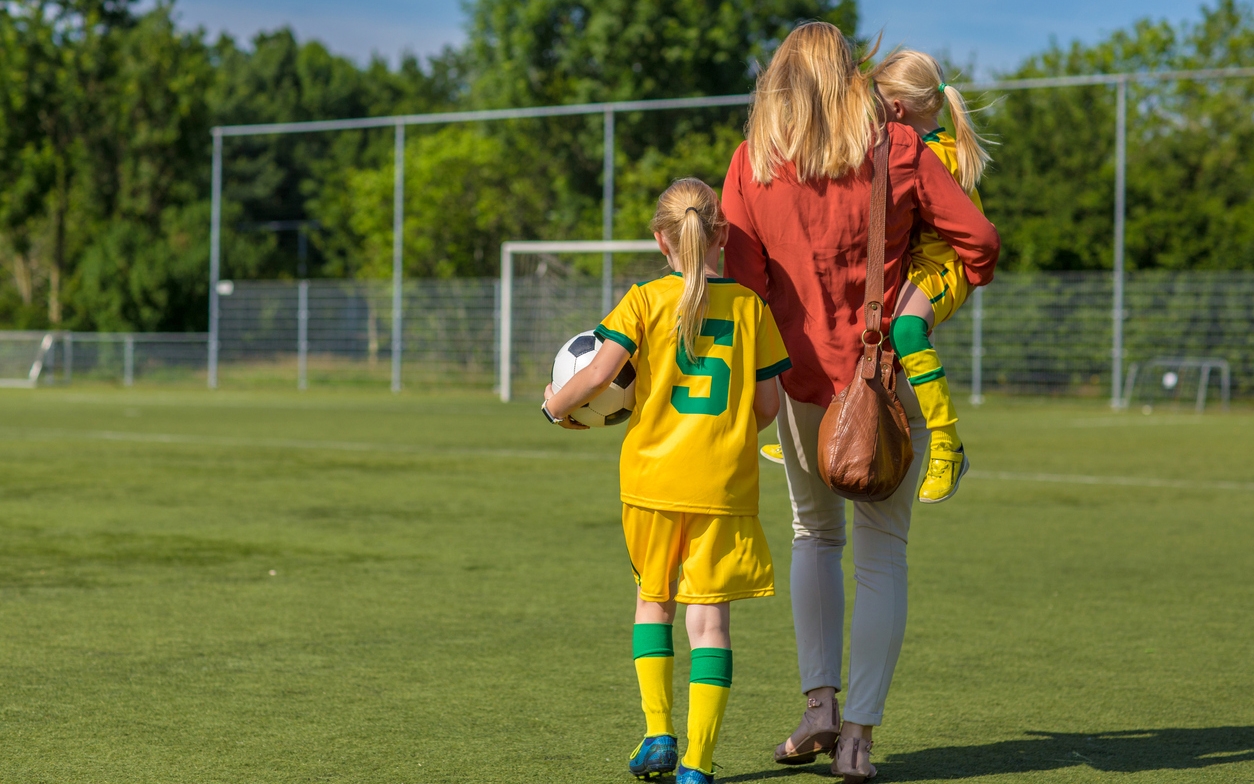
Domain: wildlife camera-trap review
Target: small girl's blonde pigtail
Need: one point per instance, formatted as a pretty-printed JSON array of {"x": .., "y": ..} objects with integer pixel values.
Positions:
[
  {"x": 972, "y": 157},
  {"x": 690, "y": 218}
]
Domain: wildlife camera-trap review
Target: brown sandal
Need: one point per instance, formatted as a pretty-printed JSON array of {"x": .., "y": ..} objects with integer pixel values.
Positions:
[
  {"x": 853, "y": 760},
  {"x": 817, "y": 733}
]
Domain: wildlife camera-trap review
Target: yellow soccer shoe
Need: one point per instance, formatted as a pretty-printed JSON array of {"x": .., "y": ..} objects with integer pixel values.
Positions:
[
  {"x": 774, "y": 453},
  {"x": 945, "y": 470}
]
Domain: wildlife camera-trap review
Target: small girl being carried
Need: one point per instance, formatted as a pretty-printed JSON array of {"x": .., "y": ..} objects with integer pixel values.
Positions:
[
  {"x": 707, "y": 352},
  {"x": 914, "y": 92}
]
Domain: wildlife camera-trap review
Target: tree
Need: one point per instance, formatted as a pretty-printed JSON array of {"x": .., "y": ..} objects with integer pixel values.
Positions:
[
  {"x": 1190, "y": 153},
  {"x": 542, "y": 52}
]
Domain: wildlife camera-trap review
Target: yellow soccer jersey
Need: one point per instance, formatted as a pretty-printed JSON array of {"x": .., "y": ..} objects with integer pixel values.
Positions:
[
  {"x": 930, "y": 250},
  {"x": 692, "y": 440}
]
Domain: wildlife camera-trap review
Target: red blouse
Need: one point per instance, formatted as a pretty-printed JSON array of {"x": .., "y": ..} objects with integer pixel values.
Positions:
[{"x": 803, "y": 248}]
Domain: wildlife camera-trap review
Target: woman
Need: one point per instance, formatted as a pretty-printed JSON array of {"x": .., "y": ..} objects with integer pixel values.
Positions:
[{"x": 797, "y": 196}]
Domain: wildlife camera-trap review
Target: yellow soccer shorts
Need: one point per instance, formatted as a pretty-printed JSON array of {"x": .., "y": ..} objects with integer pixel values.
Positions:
[
  {"x": 715, "y": 558},
  {"x": 945, "y": 285}
]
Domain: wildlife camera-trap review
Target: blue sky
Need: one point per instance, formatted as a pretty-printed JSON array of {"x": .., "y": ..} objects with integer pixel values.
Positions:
[{"x": 992, "y": 33}]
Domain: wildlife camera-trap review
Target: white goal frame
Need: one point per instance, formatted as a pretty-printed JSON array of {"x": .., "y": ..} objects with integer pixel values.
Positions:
[
  {"x": 505, "y": 314},
  {"x": 37, "y": 363},
  {"x": 1204, "y": 366}
]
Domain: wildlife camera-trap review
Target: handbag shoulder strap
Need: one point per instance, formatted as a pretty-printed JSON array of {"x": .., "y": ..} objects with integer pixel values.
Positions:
[{"x": 874, "y": 308}]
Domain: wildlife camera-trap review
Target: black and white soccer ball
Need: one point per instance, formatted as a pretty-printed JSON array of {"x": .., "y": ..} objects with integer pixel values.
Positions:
[{"x": 611, "y": 407}]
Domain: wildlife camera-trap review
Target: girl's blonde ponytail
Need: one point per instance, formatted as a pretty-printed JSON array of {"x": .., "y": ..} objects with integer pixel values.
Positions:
[
  {"x": 972, "y": 157},
  {"x": 690, "y": 218},
  {"x": 916, "y": 79}
]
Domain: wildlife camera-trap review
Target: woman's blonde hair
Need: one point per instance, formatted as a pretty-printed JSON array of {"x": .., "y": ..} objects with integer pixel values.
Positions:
[
  {"x": 690, "y": 217},
  {"x": 916, "y": 79},
  {"x": 812, "y": 106}
]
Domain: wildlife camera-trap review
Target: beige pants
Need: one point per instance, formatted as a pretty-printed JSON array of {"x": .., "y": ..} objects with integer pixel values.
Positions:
[{"x": 879, "y": 559}]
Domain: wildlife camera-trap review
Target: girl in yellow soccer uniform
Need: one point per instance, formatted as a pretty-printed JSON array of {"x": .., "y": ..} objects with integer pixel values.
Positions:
[
  {"x": 914, "y": 93},
  {"x": 707, "y": 352}
]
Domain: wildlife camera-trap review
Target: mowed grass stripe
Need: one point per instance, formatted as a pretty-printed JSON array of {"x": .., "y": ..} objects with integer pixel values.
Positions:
[
  {"x": 232, "y": 442},
  {"x": 1112, "y": 481}
]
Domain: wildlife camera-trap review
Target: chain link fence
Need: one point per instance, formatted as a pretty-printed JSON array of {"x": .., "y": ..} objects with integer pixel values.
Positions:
[{"x": 1041, "y": 333}]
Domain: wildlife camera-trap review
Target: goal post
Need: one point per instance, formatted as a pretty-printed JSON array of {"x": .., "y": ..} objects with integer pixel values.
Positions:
[
  {"x": 505, "y": 314},
  {"x": 22, "y": 356}
]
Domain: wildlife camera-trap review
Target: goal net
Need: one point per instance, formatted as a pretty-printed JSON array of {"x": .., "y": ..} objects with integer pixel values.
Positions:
[
  {"x": 545, "y": 298},
  {"x": 1176, "y": 382},
  {"x": 22, "y": 357}
]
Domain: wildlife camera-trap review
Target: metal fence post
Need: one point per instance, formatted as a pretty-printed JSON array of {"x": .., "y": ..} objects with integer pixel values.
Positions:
[
  {"x": 607, "y": 215},
  {"x": 507, "y": 319},
  {"x": 1121, "y": 167},
  {"x": 302, "y": 335},
  {"x": 215, "y": 256},
  {"x": 977, "y": 347},
  {"x": 128, "y": 360},
  {"x": 69, "y": 357},
  {"x": 398, "y": 228}
]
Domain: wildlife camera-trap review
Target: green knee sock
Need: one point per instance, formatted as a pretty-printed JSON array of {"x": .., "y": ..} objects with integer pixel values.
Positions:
[
  {"x": 654, "y": 652},
  {"x": 927, "y": 376}
]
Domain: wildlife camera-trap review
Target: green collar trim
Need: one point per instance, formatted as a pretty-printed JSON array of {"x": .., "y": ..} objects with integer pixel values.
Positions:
[
  {"x": 707, "y": 280},
  {"x": 934, "y": 136}
]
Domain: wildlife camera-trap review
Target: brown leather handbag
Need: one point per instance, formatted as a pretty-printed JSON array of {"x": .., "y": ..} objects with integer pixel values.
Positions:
[{"x": 864, "y": 440}]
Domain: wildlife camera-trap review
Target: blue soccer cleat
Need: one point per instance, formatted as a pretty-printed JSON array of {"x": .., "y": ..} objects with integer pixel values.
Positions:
[
  {"x": 655, "y": 757},
  {"x": 693, "y": 776}
]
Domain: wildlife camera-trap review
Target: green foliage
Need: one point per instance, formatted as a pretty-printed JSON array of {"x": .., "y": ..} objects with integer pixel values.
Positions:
[
  {"x": 538, "y": 52},
  {"x": 466, "y": 191},
  {"x": 105, "y": 146},
  {"x": 105, "y": 113},
  {"x": 1190, "y": 153}
]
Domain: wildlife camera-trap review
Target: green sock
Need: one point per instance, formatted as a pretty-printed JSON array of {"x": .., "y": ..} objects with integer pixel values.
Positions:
[{"x": 927, "y": 376}]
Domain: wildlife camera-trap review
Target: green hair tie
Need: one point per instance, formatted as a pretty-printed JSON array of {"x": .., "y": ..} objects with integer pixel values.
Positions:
[{"x": 942, "y": 87}]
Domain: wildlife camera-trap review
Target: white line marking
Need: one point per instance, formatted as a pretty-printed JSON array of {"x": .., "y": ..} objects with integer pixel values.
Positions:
[
  {"x": 1131, "y": 420},
  {"x": 437, "y": 452},
  {"x": 1120, "y": 481}
]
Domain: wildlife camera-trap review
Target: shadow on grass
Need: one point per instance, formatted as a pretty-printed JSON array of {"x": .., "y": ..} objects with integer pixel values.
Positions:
[{"x": 1128, "y": 751}]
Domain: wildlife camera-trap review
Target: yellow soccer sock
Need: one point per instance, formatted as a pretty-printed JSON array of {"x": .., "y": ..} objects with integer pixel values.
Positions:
[
  {"x": 654, "y": 652},
  {"x": 656, "y": 695},
  {"x": 707, "y": 701},
  {"x": 927, "y": 377}
]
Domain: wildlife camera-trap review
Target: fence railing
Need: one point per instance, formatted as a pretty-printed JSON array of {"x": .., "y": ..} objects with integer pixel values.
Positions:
[
  {"x": 39, "y": 357},
  {"x": 1039, "y": 333}
]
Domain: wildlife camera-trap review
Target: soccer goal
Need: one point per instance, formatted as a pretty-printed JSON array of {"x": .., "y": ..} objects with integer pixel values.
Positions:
[
  {"x": 538, "y": 311},
  {"x": 1176, "y": 380},
  {"x": 22, "y": 357}
]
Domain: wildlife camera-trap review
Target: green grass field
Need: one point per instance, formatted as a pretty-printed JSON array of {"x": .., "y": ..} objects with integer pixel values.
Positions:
[{"x": 351, "y": 587}]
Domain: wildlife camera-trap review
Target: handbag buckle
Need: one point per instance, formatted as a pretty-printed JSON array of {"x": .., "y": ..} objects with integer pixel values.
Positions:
[{"x": 879, "y": 337}]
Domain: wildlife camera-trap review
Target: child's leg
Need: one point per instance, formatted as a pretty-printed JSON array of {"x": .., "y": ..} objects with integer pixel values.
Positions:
[
  {"x": 710, "y": 682},
  {"x": 653, "y": 649},
  {"x": 909, "y": 336}
]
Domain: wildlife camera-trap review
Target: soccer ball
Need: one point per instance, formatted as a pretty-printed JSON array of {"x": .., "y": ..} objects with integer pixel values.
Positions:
[{"x": 611, "y": 407}]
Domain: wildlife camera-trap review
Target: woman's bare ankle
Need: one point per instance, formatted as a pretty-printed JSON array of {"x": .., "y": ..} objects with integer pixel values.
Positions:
[
  {"x": 851, "y": 730},
  {"x": 823, "y": 694}
]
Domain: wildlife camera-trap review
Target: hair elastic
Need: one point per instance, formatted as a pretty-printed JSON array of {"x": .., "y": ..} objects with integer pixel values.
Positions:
[
  {"x": 942, "y": 87},
  {"x": 693, "y": 209}
]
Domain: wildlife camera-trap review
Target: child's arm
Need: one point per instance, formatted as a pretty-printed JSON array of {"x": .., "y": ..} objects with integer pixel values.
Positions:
[
  {"x": 587, "y": 384},
  {"x": 765, "y": 403}
]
